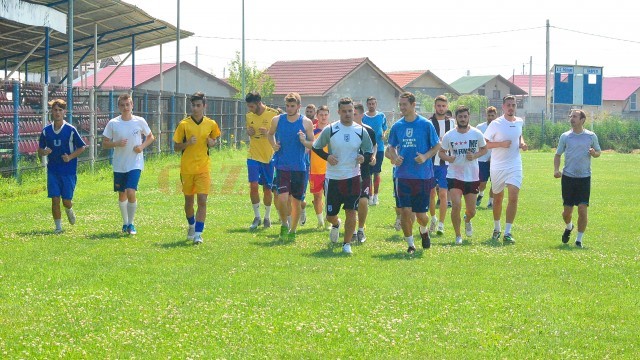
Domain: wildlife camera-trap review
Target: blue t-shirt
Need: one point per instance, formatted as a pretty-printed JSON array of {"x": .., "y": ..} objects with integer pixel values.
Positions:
[
  {"x": 379, "y": 125},
  {"x": 292, "y": 155},
  {"x": 409, "y": 139},
  {"x": 64, "y": 141}
]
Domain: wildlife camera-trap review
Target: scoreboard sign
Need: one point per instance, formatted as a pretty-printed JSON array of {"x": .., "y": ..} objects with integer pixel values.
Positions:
[{"x": 577, "y": 85}]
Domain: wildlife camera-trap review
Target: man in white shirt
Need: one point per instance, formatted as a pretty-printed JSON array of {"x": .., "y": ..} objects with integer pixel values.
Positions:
[
  {"x": 124, "y": 135},
  {"x": 504, "y": 136},
  {"x": 345, "y": 140},
  {"x": 462, "y": 147}
]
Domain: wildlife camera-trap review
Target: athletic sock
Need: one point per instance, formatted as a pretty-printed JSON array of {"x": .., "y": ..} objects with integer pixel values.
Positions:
[
  {"x": 191, "y": 220},
  {"x": 409, "y": 240},
  {"x": 131, "y": 210},
  {"x": 440, "y": 223},
  {"x": 289, "y": 220},
  {"x": 481, "y": 193},
  {"x": 320, "y": 217},
  {"x": 579, "y": 237},
  {"x": 124, "y": 212},
  {"x": 490, "y": 201},
  {"x": 361, "y": 229},
  {"x": 267, "y": 212},
  {"x": 58, "y": 223},
  {"x": 496, "y": 225},
  {"x": 199, "y": 228},
  {"x": 507, "y": 228},
  {"x": 569, "y": 226},
  {"x": 423, "y": 229},
  {"x": 256, "y": 210}
]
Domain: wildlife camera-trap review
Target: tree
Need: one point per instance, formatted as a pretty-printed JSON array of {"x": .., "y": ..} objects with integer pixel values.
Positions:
[
  {"x": 255, "y": 79},
  {"x": 425, "y": 101},
  {"x": 476, "y": 103}
]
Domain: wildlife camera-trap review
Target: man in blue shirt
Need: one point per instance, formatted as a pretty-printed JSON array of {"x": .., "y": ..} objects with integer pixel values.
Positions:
[
  {"x": 378, "y": 122},
  {"x": 62, "y": 144},
  {"x": 412, "y": 143}
]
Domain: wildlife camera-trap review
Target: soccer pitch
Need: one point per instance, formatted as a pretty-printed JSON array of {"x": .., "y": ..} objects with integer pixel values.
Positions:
[{"x": 92, "y": 292}]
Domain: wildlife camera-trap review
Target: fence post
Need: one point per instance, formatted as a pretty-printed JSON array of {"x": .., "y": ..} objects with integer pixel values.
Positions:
[
  {"x": 159, "y": 141},
  {"x": 16, "y": 129},
  {"x": 235, "y": 124},
  {"x": 111, "y": 116},
  {"x": 92, "y": 127},
  {"x": 172, "y": 111},
  {"x": 45, "y": 112}
]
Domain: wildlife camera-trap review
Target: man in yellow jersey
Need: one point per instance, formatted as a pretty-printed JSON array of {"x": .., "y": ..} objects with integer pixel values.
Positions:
[
  {"x": 259, "y": 165},
  {"x": 318, "y": 166},
  {"x": 194, "y": 136}
]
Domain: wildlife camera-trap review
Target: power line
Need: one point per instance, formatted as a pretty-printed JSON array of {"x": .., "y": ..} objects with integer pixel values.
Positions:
[
  {"x": 597, "y": 35},
  {"x": 375, "y": 40}
]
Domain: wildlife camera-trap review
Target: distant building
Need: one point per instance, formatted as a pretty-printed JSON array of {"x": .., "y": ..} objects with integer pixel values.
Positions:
[
  {"x": 324, "y": 82},
  {"x": 620, "y": 95},
  {"x": 494, "y": 87},
  {"x": 538, "y": 84},
  {"x": 423, "y": 81},
  {"x": 147, "y": 77}
]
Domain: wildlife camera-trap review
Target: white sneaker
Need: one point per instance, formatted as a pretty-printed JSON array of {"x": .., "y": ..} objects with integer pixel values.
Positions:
[
  {"x": 334, "y": 233},
  {"x": 361, "y": 236},
  {"x": 303, "y": 217},
  {"x": 375, "y": 200},
  {"x": 71, "y": 216},
  {"x": 370, "y": 200},
  {"x": 256, "y": 222},
  {"x": 398, "y": 224},
  {"x": 346, "y": 248},
  {"x": 320, "y": 225},
  {"x": 468, "y": 228},
  {"x": 191, "y": 232},
  {"x": 197, "y": 239},
  {"x": 440, "y": 230},
  {"x": 432, "y": 225},
  {"x": 458, "y": 240},
  {"x": 58, "y": 231}
]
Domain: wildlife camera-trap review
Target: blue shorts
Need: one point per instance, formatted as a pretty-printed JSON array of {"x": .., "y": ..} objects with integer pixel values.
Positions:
[
  {"x": 260, "y": 172},
  {"x": 484, "y": 170},
  {"x": 414, "y": 193},
  {"x": 377, "y": 168},
  {"x": 440, "y": 174},
  {"x": 128, "y": 180},
  {"x": 61, "y": 185}
]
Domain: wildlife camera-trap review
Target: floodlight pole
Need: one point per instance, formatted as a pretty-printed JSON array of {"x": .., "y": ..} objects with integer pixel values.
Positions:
[
  {"x": 546, "y": 76},
  {"x": 243, "y": 50},
  {"x": 70, "y": 63},
  {"x": 178, "y": 51}
]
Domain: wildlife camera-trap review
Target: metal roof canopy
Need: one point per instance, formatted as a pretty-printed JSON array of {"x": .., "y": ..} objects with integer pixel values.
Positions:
[{"x": 120, "y": 27}]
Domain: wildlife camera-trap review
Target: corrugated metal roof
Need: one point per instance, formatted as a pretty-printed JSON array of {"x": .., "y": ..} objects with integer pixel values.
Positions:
[
  {"x": 537, "y": 83},
  {"x": 619, "y": 88},
  {"x": 404, "y": 78},
  {"x": 121, "y": 79},
  {"x": 310, "y": 77},
  {"x": 117, "y": 21}
]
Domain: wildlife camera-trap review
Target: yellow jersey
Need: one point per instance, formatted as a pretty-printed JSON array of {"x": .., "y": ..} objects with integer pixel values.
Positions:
[
  {"x": 259, "y": 147},
  {"x": 318, "y": 164},
  {"x": 195, "y": 158}
]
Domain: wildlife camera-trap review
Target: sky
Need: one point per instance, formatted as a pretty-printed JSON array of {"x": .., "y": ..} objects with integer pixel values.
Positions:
[{"x": 483, "y": 37}]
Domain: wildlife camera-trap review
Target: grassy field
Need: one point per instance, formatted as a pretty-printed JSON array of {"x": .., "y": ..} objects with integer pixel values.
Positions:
[{"x": 94, "y": 293}]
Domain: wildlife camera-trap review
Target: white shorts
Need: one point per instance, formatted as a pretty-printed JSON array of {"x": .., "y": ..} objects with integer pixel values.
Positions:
[{"x": 501, "y": 178}]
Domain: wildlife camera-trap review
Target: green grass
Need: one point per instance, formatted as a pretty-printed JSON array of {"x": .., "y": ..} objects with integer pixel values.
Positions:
[{"x": 93, "y": 293}]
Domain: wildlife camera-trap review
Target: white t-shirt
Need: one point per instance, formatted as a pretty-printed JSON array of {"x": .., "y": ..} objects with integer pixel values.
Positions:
[
  {"x": 441, "y": 123},
  {"x": 483, "y": 128},
  {"x": 502, "y": 129},
  {"x": 344, "y": 142},
  {"x": 124, "y": 158},
  {"x": 459, "y": 145}
]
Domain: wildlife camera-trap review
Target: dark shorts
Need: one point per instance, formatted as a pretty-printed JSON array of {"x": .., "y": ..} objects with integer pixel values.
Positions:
[
  {"x": 61, "y": 185},
  {"x": 575, "y": 191},
  {"x": 365, "y": 187},
  {"x": 345, "y": 193},
  {"x": 467, "y": 187},
  {"x": 128, "y": 180},
  {"x": 414, "y": 193},
  {"x": 440, "y": 174},
  {"x": 292, "y": 182},
  {"x": 484, "y": 170},
  {"x": 260, "y": 172},
  {"x": 377, "y": 168}
]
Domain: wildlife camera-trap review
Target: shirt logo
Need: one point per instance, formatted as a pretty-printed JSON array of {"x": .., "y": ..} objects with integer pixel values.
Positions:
[
  {"x": 346, "y": 137},
  {"x": 409, "y": 132},
  {"x": 57, "y": 142}
]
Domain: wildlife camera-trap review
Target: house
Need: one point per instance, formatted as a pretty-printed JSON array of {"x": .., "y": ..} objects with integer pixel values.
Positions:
[
  {"x": 494, "y": 87},
  {"x": 147, "y": 77},
  {"x": 423, "y": 81},
  {"x": 620, "y": 95},
  {"x": 537, "y": 94},
  {"x": 324, "y": 82}
]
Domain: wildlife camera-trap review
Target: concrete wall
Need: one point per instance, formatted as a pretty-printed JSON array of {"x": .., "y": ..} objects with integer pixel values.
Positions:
[
  {"x": 494, "y": 84},
  {"x": 363, "y": 83},
  {"x": 190, "y": 82}
]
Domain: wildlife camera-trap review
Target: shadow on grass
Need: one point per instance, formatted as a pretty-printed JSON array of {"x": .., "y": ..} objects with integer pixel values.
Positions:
[
  {"x": 106, "y": 235},
  {"x": 400, "y": 255},
  {"x": 329, "y": 251},
  {"x": 38, "y": 233},
  {"x": 175, "y": 244},
  {"x": 568, "y": 247},
  {"x": 395, "y": 238},
  {"x": 495, "y": 243}
]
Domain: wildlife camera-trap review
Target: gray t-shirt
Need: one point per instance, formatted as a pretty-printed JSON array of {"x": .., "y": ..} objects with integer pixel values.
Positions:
[
  {"x": 344, "y": 142},
  {"x": 577, "y": 160}
]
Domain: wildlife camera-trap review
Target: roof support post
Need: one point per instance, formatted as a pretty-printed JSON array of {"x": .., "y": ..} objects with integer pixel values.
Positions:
[
  {"x": 70, "y": 16},
  {"x": 24, "y": 59},
  {"x": 133, "y": 62}
]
